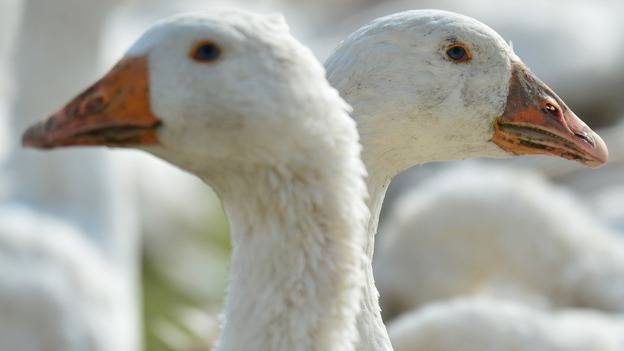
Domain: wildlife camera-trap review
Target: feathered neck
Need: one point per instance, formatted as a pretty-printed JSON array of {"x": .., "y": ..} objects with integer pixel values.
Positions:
[
  {"x": 370, "y": 325},
  {"x": 296, "y": 267}
]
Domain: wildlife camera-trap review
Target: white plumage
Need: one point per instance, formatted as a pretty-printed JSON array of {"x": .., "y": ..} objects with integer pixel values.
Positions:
[
  {"x": 413, "y": 106},
  {"x": 226, "y": 89},
  {"x": 489, "y": 325},
  {"x": 544, "y": 41},
  {"x": 489, "y": 231},
  {"x": 57, "y": 292},
  {"x": 306, "y": 285}
]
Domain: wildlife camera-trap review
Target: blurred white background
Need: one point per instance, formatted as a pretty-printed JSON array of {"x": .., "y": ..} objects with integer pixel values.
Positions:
[{"x": 155, "y": 237}]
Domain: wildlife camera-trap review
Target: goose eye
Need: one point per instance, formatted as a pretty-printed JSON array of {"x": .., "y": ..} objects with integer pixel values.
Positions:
[
  {"x": 458, "y": 53},
  {"x": 206, "y": 51}
]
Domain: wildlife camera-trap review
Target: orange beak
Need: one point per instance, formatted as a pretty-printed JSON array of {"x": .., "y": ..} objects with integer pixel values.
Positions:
[
  {"x": 537, "y": 122},
  {"x": 115, "y": 111}
]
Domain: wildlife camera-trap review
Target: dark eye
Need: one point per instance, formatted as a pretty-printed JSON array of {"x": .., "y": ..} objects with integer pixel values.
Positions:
[
  {"x": 458, "y": 53},
  {"x": 206, "y": 51}
]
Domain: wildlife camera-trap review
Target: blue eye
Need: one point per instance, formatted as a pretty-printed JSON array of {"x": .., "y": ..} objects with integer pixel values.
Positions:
[
  {"x": 458, "y": 53},
  {"x": 206, "y": 51}
]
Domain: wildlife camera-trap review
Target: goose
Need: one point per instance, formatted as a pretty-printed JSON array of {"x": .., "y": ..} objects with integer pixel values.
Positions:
[
  {"x": 586, "y": 29},
  {"x": 50, "y": 296},
  {"x": 58, "y": 292},
  {"x": 431, "y": 85},
  {"x": 490, "y": 325},
  {"x": 501, "y": 217},
  {"x": 233, "y": 98},
  {"x": 414, "y": 79}
]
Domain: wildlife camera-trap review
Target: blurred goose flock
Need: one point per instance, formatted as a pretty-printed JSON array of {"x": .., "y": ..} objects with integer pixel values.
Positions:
[{"x": 111, "y": 249}]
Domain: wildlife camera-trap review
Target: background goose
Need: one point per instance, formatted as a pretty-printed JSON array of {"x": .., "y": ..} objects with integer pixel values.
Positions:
[
  {"x": 68, "y": 259},
  {"x": 511, "y": 238},
  {"x": 221, "y": 96},
  {"x": 76, "y": 48},
  {"x": 432, "y": 86},
  {"x": 489, "y": 325},
  {"x": 602, "y": 189},
  {"x": 58, "y": 292}
]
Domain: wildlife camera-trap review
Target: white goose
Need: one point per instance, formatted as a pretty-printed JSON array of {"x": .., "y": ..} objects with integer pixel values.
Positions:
[
  {"x": 233, "y": 98},
  {"x": 490, "y": 325},
  {"x": 67, "y": 258},
  {"x": 414, "y": 78},
  {"x": 432, "y": 86},
  {"x": 513, "y": 236},
  {"x": 587, "y": 29},
  {"x": 57, "y": 291}
]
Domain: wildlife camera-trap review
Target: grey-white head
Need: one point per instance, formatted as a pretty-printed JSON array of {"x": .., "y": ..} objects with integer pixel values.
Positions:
[
  {"x": 430, "y": 85},
  {"x": 208, "y": 90}
]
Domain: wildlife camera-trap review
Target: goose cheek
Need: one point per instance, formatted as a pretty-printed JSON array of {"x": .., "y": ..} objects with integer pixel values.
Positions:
[
  {"x": 537, "y": 122},
  {"x": 115, "y": 111}
]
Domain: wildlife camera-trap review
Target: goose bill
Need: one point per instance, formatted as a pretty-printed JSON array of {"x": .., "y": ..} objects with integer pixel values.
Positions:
[
  {"x": 530, "y": 126},
  {"x": 115, "y": 111}
]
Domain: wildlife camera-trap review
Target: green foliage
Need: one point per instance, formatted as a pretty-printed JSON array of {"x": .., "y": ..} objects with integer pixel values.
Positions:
[{"x": 163, "y": 299}]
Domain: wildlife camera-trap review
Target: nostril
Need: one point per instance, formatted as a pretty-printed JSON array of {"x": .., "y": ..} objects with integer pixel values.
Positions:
[
  {"x": 585, "y": 136},
  {"x": 95, "y": 105},
  {"x": 551, "y": 109},
  {"x": 49, "y": 124}
]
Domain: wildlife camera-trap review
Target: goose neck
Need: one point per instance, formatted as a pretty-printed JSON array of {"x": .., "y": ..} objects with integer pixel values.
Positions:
[
  {"x": 295, "y": 273},
  {"x": 371, "y": 328}
]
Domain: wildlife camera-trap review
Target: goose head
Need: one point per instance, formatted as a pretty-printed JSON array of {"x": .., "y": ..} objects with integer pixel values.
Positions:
[
  {"x": 203, "y": 90},
  {"x": 429, "y": 85}
]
